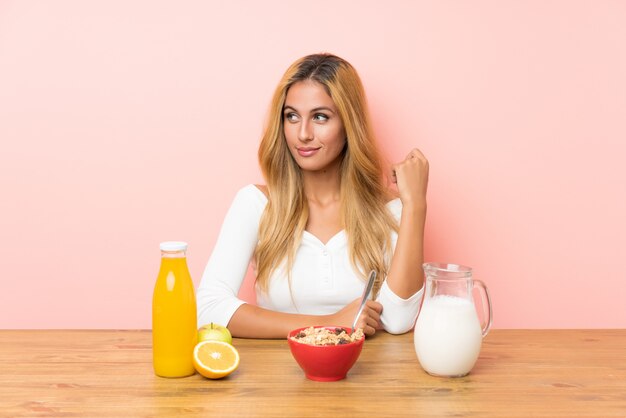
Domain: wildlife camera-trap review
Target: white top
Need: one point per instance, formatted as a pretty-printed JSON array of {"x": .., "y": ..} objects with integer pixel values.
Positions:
[{"x": 323, "y": 280}]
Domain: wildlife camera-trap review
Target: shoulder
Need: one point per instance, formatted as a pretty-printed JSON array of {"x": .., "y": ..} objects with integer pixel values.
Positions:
[
  {"x": 252, "y": 192},
  {"x": 395, "y": 208},
  {"x": 250, "y": 198},
  {"x": 263, "y": 189}
]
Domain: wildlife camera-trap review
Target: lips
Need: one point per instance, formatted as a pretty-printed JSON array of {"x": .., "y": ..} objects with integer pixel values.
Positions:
[{"x": 307, "y": 151}]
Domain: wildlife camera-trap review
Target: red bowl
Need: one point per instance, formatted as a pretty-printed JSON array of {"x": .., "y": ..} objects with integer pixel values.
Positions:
[{"x": 325, "y": 363}]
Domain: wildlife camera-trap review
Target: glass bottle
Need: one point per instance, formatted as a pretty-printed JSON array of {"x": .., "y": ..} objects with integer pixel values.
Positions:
[{"x": 174, "y": 323}]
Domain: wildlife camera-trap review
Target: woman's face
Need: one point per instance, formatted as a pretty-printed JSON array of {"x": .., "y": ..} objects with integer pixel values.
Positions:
[{"x": 313, "y": 129}]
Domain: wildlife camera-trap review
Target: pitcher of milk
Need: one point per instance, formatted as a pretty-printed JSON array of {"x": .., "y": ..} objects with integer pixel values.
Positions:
[{"x": 448, "y": 333}]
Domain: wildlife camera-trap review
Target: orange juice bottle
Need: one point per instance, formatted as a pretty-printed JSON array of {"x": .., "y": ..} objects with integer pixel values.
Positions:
[{"x": 174, "y": 323}]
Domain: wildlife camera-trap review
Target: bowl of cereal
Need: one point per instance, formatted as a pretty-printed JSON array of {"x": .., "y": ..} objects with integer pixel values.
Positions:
[{"x": 325, "y": 353}]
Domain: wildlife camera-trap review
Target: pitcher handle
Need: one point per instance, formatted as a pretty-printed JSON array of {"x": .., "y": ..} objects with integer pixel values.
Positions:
[{"x": 486, "y": 309}]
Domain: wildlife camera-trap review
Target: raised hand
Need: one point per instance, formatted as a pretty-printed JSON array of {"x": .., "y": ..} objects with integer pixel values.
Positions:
[{"x": 411, "y": 177}]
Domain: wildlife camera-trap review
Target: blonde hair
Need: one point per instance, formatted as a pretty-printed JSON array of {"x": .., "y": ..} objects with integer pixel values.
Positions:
[{"x": 364, "y": 194}]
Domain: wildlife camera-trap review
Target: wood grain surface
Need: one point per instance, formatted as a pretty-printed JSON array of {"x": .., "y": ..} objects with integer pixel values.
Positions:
[{"x": 520, "y": 373}]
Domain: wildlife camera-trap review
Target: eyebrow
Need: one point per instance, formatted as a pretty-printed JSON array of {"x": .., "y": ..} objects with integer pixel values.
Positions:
[{"x": 317, "y": 109}]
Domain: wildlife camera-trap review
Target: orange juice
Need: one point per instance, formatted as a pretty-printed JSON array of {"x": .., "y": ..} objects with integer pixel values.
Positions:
[{"x": 174, "y": 326}]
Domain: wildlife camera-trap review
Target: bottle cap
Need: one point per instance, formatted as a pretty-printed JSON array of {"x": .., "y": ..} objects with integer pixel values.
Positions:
[{"x": 173, "y": 246}]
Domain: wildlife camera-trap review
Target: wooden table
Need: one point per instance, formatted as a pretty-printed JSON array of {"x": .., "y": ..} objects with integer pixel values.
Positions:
[{"x": 520, "y": 373}]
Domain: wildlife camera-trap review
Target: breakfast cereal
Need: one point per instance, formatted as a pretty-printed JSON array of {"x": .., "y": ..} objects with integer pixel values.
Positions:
[{"x": 327, "y": 336}]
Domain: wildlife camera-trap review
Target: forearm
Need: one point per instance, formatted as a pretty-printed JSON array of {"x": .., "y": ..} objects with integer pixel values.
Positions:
[
  {"x": 406, "y": 276},
  {"x": 251, "y": 321}
]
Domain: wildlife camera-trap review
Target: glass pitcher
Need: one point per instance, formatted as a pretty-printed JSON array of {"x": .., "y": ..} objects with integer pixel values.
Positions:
[{"x": 448, "y": 333}]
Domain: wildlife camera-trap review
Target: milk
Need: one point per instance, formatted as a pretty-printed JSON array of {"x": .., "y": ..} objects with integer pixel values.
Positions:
[{"x": 447, "y": 336}]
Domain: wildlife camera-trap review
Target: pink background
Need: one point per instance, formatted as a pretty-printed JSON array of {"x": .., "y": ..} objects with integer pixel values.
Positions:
[{"x": 127, "y": 123}]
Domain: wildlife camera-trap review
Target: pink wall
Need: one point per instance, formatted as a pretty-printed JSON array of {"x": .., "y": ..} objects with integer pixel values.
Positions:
[{"x": 123, "y": 124}]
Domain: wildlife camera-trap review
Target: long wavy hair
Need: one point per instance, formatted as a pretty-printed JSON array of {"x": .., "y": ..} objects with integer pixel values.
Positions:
[{"x": 364, "y": 192}]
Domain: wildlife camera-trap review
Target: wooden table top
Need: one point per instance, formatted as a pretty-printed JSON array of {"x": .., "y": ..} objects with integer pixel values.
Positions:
[{"x": 520, "y": 373}]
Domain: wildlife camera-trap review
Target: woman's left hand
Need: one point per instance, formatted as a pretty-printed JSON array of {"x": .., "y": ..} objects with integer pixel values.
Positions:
[{"x": 411, "y": 177}]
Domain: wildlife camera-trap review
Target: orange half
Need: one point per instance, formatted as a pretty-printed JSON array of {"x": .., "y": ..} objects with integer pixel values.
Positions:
[{"x": 215, "y": 359}]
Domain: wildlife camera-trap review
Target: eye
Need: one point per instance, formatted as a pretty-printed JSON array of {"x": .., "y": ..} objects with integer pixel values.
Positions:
[
  {"x": 320, "y": 117},
  {"x": 291, "y": 117}
]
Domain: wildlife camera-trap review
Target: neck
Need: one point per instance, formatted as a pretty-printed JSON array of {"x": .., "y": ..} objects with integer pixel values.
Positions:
[{"x": 324, "y": 186}]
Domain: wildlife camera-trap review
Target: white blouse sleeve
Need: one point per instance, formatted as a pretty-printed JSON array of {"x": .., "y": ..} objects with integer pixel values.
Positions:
[
  {"x": 217, "y": 294},
  {"x": 398, "y": 314}
]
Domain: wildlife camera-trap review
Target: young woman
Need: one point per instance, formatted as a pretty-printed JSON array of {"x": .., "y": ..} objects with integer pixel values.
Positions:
[{"x": 324, "y": 219}]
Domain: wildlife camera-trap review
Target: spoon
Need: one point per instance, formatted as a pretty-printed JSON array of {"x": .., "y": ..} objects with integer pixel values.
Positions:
[{"x": 366, "y": 293}]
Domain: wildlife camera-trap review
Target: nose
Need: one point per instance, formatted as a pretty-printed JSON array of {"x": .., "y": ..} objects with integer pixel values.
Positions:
[{"x": 305, "y": 133}]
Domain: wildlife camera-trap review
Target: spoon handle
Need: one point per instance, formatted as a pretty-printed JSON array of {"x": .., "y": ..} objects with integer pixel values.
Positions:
[{"x": 366, "y": 292}]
